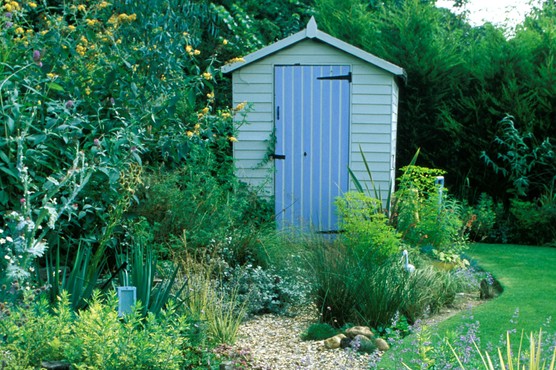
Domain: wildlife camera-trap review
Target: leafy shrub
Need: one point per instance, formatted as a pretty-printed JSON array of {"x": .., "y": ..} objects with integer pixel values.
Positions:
[
  {"x": 534, "y": 222},
  {"x": 365, "y": 228},
  {"x": 480, "y": 218},
  {"x": 93, "y": 338},
  {"x": 212, "y": 211},
  {"x": 426, "y": 217},
  {"x": 268, "y": 290},
  {"x": 319, "y": 331}
]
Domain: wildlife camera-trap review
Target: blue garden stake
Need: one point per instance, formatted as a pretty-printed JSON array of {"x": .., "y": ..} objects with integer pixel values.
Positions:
[
  {"x": 440, "y": 183},
  {"x": 127, "y": 297}
]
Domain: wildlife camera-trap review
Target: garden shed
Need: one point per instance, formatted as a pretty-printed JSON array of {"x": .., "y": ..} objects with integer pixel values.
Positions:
[{"x": 314, "y": 102}]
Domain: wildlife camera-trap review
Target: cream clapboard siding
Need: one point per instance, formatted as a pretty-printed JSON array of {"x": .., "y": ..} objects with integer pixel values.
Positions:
[{"x": 373, "y": 98}]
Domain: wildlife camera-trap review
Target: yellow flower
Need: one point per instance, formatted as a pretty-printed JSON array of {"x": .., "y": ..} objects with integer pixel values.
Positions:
[
  {"x": 207, "y": 76},
  {"x": 205, "y": 110},
  {"x": 232, "y": 139},
  {"x": 210, "y": 95},
  {"x": 43, "y": 32},
  {"x": 113, "y": 19},
  {"x": 80, "y": 49},
  {"x": 84, "y": 40},
  {"x": 226, "y": 115},
  {"x": 103, "y": 5},
  {"x": 197, "y": 126},
  {"x": 32, "y": 4},
  {"x": 235, "y": 60},
  {"x": 19, "y": 30},
  {"x": 225, "y": 42},
  {"x": 196, "y": 52},
  {"x": 71, "y": 27},
  {"x": 240, "y": 106},
  {"x": 81, "y": 7},
  {"x": 188, "y": 48},
  {"x": 189, "y": 133},
  {"x": 185, "y": 34},
  {"x": 88, "y": 90},
  {"x": 91, "y": 22},
  {"x": 51, "y": 75}
]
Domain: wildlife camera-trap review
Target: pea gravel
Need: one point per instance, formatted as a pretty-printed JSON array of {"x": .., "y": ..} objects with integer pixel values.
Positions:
[{"x": 275, "y": 343}]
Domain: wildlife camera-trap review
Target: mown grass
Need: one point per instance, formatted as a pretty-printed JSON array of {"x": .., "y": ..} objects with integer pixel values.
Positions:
[{"x": 528, "y": 275}]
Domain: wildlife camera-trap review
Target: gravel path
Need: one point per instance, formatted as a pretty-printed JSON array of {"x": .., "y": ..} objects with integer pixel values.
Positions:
[{"x": 275, "y": 343}]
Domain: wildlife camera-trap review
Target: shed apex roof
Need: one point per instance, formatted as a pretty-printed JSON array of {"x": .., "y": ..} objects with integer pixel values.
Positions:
[{"x": 312, "y": 32}]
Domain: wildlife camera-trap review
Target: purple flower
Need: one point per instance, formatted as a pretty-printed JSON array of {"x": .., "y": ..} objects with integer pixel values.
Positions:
[
  {"x": 36, "y": 56},
  {"x": 8, "y": 15},
  {"x": 96, "y": 142},
  {"x": 22, "y": 200},
  {"x": 69, "y": 104},
  {"x": 8, "y": 24}
]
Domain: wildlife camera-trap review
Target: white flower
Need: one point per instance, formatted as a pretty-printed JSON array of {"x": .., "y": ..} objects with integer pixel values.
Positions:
[
  {"x": 9, "y": 238},
  {"x": 38, "y": 249},
  {"x": 7, "y": 257},
  {"x": 2, "y": 241}
]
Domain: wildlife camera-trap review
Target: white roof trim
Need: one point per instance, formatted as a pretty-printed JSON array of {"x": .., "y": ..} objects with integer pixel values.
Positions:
[{"x": 312, "y": 32}]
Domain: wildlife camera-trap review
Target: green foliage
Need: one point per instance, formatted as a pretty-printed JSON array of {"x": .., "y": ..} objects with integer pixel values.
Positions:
[
  {"x": 534, "y": 222},
  {"x": 93, "y": 338},
  {"x": 461, "y": 79},
  {"x": 221, "y": 310},
  {"x": 366, "y": 232},
  {"x": 348, "y": 289},
  {"x": 319, "y": 331},
  {"x": 480, "y": 218},
  {"x": 518, "y": 156},
  {"x": 426, "y": 217},
  {"x": 211, "y": 210},
  {"x": 253, "y": 24},
  {"x": 268, "y": 290},
  {"x": 142, "y": 263}
]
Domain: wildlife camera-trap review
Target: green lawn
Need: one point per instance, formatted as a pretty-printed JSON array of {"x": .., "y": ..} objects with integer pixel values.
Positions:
[{"x": 528, "y": 275}]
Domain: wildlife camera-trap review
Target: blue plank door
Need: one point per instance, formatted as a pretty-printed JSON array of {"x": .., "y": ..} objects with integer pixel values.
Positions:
[{"x": 312, "y": 107}]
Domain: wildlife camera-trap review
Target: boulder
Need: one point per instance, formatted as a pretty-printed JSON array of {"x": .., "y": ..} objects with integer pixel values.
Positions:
[
  {"x": 359, "y": 330},
  {"x": 334, "y": 342},
  {"x": 345, "y": 343},
  {"x": 381, "y": 344}
]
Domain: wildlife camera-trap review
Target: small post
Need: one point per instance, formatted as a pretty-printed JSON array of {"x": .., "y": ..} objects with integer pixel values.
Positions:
[
  {"x": 440, "y": 183},
  {"x": 127, "y": 297}
]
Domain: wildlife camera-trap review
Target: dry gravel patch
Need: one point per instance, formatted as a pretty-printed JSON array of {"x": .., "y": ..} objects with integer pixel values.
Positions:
[{"x": 275, "y": 341}]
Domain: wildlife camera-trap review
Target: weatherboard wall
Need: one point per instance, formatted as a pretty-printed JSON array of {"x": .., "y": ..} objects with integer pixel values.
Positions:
[{"x": 374, "y": 99}]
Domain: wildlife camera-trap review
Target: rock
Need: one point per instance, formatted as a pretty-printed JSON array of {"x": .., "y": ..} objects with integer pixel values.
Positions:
[
  {"x": 334, "y": 342},
  {"x": 490, "y": 288},
  {"x": 381, "y": 345},
  {"x": 345, "y": 343},
  {"x": 359, "y": 330},
  {"x": 55, "y": 365}
]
